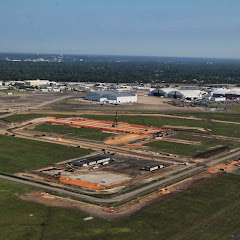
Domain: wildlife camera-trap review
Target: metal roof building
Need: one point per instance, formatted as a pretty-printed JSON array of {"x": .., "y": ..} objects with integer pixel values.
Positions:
[
  {"x": 112, "y": 97},
  {"x": 190, "y": 94},
  {"x": 224, "y": 92}
]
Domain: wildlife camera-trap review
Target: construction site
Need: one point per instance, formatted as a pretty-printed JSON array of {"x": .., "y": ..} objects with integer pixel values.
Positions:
[
  {"x": 123, "y": 173},
  {"x": 121, "y": 161},
  {"x": 117, "y": 127},
  {"x": 103, "y": 173},
  {"x": 110, "y": 170}
]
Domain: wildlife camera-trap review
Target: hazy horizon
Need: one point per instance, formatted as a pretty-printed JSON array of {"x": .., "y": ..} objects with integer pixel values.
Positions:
[{"x": 198, "y": 29}]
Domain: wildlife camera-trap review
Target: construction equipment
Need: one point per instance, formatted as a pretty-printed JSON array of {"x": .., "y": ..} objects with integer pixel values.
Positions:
[
  {"x": 115, "y": 121},
  {"x": 69, "y": 167},
  {"x": 144, "y": 124}
]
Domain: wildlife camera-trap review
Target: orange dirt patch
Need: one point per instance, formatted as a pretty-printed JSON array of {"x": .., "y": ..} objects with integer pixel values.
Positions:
[
  {"x": 226, "y": 166},
  {"x": 123, "y": 138},
  {"x": 107, "y": 126},
  {"x": 214, "y": 170},
  {"x": 81, "y": 183}
]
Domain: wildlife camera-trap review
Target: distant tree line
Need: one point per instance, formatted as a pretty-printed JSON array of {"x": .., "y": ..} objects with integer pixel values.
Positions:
[{"x": 132, "y": 70}]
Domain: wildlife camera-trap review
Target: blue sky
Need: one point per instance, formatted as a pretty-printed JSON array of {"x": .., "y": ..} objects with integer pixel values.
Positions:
[{"x": 191, "y": 28}]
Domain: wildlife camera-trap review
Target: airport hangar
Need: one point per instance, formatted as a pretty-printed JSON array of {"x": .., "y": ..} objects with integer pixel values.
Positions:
[{"x": 112, "y": 97}]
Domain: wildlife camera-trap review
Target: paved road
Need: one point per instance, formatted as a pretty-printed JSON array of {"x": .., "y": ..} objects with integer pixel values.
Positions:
[{"x": 216, "y": 160}]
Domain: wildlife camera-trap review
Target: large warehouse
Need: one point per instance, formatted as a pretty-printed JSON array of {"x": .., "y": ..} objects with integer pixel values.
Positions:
[
  {"x": 112, "y": 97},
  {"x": 188, "y": 94},
  {"x": 226, "y": 93}
]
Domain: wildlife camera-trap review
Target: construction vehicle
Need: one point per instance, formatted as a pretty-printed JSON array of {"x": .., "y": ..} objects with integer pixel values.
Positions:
[
  {"x": 144, "y": 124},
  {"x": 69, "y": 167},
  {"x": 115, "y": 121}
]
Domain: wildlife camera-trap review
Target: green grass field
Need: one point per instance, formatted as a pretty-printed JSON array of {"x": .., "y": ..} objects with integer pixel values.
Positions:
[
  {"x": 186, "y": 149},
  {"x": 85, "y": 133},
  {"x": 223, "y": 116},
  {"x": 25, "y": 117},
  {"x": 224, "y": 129},
  {"x": 17, "y": 154},
  {"x": 210, "y": 211}
]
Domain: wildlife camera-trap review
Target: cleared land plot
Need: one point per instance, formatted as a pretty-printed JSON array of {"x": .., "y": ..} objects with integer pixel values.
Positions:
[
  {"x": 189, "y": 215},
  {"x": 28, "y": 100},
  {"x": 85, "y": 133},
  {"x": 99, "y": 177},
  {"x": 186, "y": 149},
  {"x": 217, "y": 128},
  {"x": 19, "y": 154}
]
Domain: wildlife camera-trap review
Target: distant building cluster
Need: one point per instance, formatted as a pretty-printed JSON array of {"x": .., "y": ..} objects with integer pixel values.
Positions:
[{"x": 212, "y": 94}]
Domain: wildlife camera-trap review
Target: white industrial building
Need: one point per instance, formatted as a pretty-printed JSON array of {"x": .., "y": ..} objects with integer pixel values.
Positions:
[
  {"x": 188, "y": 94},
  {"x": 112, "y": 97},
  {"x": 223, "y": 93},
  {"x": 161, "y": 92},
  {"x": 37, "y": 82}
]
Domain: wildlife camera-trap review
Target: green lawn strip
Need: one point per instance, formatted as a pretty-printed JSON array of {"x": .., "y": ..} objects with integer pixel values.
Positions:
[
  {"x": 223, "y": 116},
  {"x": 25, "y": 117},
  {"x": 217, "y": 128},
  {"x": 209, "y": 211},
  {"x": 85, "y": 133},
  {"x": 17, "y": 154},
  {"x": 186, "y": 149}
]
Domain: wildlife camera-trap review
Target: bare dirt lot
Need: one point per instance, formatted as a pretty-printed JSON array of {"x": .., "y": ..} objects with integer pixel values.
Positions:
[
  {"x": 123, "y": 139},
  {"x": 31, "y": 100},
  {"x": 100, "y": 177},
  {"x": 145, "y": 103}
]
